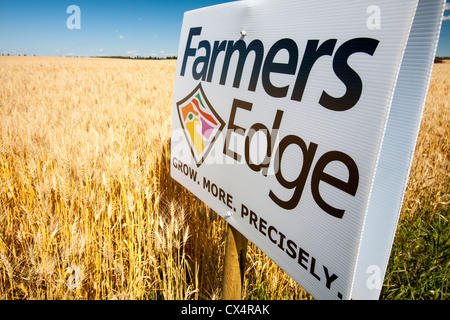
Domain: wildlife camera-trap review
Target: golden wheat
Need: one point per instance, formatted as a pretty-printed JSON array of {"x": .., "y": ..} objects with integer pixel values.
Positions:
[
  {"x": 87, "y": 206},
  {"x": 429, "y": 179}
]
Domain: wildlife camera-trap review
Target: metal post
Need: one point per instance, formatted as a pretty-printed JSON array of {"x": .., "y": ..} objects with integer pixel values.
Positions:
[{"x": 234, "y": 264}]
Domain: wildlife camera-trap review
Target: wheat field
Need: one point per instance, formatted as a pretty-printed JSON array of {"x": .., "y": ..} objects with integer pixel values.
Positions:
[{"x": 87, "y": 206}]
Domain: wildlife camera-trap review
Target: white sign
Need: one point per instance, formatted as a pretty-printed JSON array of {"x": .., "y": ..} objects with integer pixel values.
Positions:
[{"x": 296, "y": 121}]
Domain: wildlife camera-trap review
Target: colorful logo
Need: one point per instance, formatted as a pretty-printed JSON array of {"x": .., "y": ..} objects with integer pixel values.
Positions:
[{"x": 201, "y": 124}]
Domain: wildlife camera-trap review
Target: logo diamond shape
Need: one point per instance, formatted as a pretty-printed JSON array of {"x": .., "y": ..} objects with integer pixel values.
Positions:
[{"x": 201, "y": 123}]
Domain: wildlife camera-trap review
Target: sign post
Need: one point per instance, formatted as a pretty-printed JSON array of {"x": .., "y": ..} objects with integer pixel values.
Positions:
[
  {"x": 234, "y": 264},
  {"x": 296, "y": 121}
]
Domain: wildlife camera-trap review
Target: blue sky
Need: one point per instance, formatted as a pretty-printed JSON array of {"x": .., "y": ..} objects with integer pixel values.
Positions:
[{"x": 108, "y": 28}]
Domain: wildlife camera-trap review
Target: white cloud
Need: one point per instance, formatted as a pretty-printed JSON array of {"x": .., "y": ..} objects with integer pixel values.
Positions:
[
  {"x": 101, "y": 50},
  {"x": 133, "y": 52},
  {"x": 121, "y": 37}
]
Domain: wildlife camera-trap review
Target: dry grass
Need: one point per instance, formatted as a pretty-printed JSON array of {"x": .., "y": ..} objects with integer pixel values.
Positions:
[
  {"x": 85, "y": 186},
  {"x": 429, "y": 179}
]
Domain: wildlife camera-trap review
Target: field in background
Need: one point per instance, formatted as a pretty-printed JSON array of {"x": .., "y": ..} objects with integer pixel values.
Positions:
[{"x": 88, "y": 209}]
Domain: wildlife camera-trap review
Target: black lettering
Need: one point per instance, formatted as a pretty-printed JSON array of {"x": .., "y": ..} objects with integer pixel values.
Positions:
[
  {"x": 206, "y": 184},
  {"x": 253, "y": 219},
  {"x": 240, "y": 46},
  {"x": 303, "y": 256},
  {"x": 347, "y": 75},
  {"x": 281, "y": 244},
  {"x": 272, "y": 228},
  {"x": 214, "y": 190},
  {"x": 329, "y": 279},
  {"x": 204, "y": 60},
  {"x": 253, "y": 129},
  {"x": 350, "y": 186},
  {"x": 232, "y": 128},
  {"x": 270, "y": 140},
  {"x": 229, "y": 201},
  {"x": 284, "y": 68},
  {"x": 203, "y": 66},
  {"x": 292, "y": 247},
  {"x": 299, "y": 182},
  {"x": 222, "y": 195},
  {"x": 244, "y": 211},
  {"x": 217, "y": 48},
  {"x": 312, "y": 54},
  {"x": 189, "y": 52},
  {"x": 192, "y": 174},
  {"x": 262, "y": 226}
]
